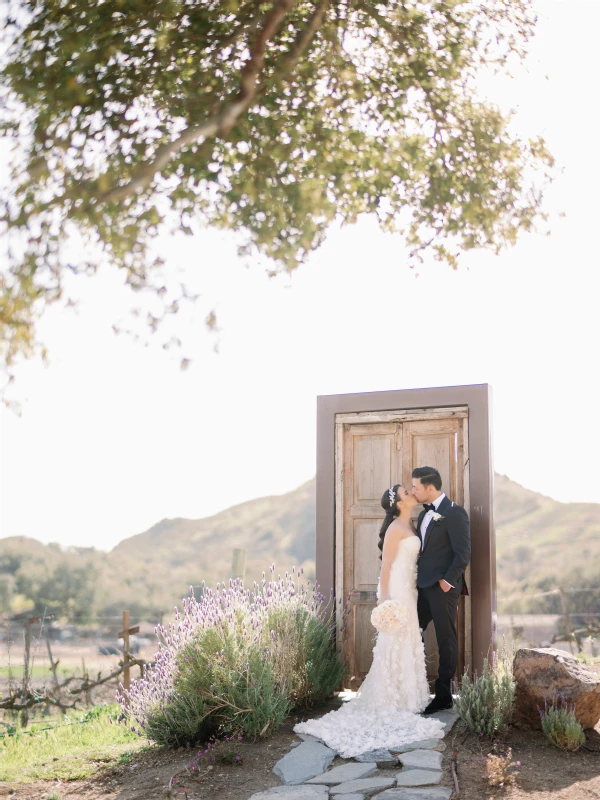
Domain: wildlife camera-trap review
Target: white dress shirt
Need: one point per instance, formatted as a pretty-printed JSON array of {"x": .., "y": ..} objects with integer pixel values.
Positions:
[
  {"x": 427, "y": 519},
  {"x": 429, "y": 516}
]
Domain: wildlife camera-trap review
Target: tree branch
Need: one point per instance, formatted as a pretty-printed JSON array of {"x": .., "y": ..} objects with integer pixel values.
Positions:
[
  {"x": 386, "y": 25},
  {"x": 224, "y": 119},
  {"x": 23, "y": 700},
  {"x": 304, "y": 38}
]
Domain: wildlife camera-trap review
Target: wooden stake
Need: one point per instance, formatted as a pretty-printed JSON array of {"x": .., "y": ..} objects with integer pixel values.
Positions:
[
  {"x": 238, "y": 563},
  {"x": 27, "y": 653},
  {"x": 28, "y": 624},
  {"x": 53, "y": 663},
  {"x": 27, "y": 658},
  {"x": 125, "y": 634},
  {"x": 565, "y": 611},
  {"x": 127, "y": 673},
  {"x": 453, "y": 762}
]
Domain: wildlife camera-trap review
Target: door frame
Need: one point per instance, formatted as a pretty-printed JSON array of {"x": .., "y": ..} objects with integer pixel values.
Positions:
[{"x": 416, "y": 403}]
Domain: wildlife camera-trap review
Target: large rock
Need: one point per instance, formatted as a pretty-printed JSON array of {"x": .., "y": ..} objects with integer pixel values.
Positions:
[{"x": 541, "y": 673}]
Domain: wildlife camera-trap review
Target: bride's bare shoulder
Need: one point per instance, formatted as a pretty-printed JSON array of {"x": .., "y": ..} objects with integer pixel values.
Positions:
[{"x": 400, "y": 530}]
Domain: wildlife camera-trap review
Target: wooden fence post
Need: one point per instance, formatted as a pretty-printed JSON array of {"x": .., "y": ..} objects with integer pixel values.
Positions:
[
  {"x": 26, "y": 660},
  {"x": 238, "y": 563},
  {"x": 565, "y": 611},
  {"x": 127, "y": 673},
  {"x": 125, "y": 634},
  {"x": 27, "y": 654},
  {"x": 53, "y": 663}
]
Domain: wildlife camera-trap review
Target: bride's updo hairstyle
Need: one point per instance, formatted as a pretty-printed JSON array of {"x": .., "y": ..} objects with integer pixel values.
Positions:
[{"x": 391, "y": 512}]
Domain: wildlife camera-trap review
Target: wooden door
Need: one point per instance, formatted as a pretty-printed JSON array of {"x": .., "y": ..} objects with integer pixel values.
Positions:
[{"x": 373, "y": 452}]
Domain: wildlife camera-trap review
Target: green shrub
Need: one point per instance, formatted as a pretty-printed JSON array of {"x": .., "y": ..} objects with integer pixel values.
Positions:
[
  {"x": 236, "y": 661},
  {"x": 560, "y": 725},
  {"x": 486, "y": 703}
]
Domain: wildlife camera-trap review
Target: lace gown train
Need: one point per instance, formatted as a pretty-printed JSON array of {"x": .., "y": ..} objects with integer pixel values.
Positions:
[{"x": 384, "y": 712}]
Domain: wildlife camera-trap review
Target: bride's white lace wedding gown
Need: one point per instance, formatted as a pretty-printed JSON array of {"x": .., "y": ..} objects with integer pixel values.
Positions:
[{"x": 384, "y": 712}]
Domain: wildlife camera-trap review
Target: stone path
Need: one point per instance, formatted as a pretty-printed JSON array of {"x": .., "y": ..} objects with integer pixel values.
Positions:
[{"x": 305, "y": 774}]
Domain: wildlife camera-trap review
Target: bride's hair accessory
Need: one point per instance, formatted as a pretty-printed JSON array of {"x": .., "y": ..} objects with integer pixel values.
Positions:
[{"x": 392, "y": 496}]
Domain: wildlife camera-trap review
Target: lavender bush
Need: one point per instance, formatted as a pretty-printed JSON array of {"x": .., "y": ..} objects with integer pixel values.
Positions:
[
  {"x": 560, "y": 725},
  {"x": 486, "y": 703},
  {"x": 236, "y": 660}
]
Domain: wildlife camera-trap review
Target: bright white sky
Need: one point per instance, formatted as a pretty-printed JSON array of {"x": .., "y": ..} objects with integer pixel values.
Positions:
[{"x": 114, "y": 437}]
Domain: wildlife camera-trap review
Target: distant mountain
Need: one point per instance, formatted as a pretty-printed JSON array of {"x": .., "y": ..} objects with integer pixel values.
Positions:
[
  {"x": 279, "y": 528},
  {"x": 541, "y": 544}
]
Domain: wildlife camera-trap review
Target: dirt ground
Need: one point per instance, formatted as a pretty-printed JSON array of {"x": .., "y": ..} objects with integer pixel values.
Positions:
[
  {"x": 545, "y": 773},
  {"x": 147, "y": 776}
]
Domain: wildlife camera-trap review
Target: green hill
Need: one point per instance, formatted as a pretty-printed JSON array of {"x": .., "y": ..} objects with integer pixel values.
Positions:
[{"x": 541, "y": 544}]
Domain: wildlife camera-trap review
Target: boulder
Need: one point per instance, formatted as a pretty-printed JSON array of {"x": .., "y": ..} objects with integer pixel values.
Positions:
[{"x": 543, "y": 672}]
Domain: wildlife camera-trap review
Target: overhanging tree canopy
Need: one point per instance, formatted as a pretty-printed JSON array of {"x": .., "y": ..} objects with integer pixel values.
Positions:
[{"x": 269, "y": 118}]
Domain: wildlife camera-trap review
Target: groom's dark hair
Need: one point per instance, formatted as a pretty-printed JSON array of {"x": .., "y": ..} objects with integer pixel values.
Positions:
[{"x": 429, "y": 476}]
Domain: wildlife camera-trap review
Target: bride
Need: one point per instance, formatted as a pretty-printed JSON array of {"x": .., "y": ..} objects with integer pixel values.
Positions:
[{"x": 384, "y": 713}]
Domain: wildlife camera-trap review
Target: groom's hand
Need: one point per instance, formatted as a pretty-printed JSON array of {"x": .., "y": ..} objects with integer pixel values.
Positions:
[{"x": 445, "y": 585}]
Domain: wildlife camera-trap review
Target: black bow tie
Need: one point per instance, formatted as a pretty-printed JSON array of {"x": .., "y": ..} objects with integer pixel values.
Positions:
[{"x": 429, "y": 506}]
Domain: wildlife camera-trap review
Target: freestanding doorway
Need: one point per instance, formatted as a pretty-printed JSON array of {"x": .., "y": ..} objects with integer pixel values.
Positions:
[{"x": 368, "y": 442}]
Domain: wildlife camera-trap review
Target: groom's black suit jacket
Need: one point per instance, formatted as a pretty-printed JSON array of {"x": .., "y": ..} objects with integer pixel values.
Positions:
[{"x": 447, "y": 548}]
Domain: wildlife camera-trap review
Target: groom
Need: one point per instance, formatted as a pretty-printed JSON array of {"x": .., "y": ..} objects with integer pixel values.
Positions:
[{"x": 443, "y": 528}]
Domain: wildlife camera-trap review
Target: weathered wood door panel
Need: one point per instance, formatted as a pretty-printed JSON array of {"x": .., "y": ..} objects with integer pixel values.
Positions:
[{"x": 371, "y": 456}]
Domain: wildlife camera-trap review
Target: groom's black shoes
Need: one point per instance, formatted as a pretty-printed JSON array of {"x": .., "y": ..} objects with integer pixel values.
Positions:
[{"x": 438, "y": 704}]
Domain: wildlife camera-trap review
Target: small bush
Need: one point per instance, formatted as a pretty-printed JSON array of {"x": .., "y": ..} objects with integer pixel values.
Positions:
[
  {"x": 560, "y": 725},
  {"x": 486, "y": 704},
  {"x": 236, "y": 660},
  {"x": 498, "y": 769}
]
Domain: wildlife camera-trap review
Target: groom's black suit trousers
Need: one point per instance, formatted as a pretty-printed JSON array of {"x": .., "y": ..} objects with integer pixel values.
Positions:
[{"x": 440, "y": 606}]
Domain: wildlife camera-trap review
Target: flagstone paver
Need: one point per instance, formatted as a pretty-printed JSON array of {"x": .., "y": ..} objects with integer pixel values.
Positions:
[
  {"x": 366, "y": 786},
  {"x": 292, "y": 793},
  {"x": 448, "y": 717},
  {"x": 303, "y": 762},
  {"x": 352, "y": 796},
  {"x": 305, "y": 772},
  {"x": 423, "y": 744},
  {"x": 383, "y": 758},
  {"x": 345, "y": 773},
  {"x": 419, "y": 777},
  {"x": 428, "y": 793},
  {"x": 421, "y": 759}
]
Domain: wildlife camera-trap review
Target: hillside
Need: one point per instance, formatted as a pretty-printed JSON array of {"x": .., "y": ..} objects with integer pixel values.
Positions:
[
  {"x": 279, "y": 529},
  {"x": 541, "y": 544}
]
